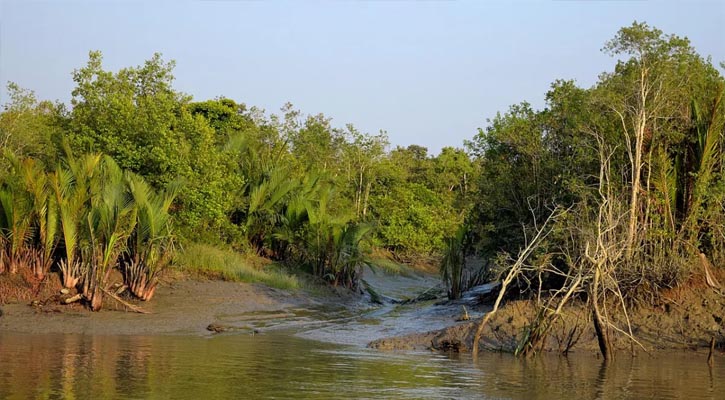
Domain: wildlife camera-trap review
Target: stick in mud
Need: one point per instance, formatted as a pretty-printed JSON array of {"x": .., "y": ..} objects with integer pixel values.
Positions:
[
  {"x": 73, "y": 299},
  {"x": 126, "y": 304}
]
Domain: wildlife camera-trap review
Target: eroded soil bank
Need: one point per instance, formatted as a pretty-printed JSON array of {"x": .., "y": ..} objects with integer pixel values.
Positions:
[{"x": 684, "y": 318}]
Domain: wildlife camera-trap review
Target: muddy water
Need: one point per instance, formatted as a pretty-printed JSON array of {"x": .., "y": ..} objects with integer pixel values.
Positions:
[
  {"x": 281, "y": 365},
  {"x": 320, "y": 353}
]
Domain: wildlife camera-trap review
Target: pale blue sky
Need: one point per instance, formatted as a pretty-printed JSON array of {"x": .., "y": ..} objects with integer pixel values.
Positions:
[{"x": 429, "y": 73}]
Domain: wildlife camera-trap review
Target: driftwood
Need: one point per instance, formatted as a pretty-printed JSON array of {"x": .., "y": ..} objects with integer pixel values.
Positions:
[
  {"x": 125, "y": 303},
  {"x": 219, "y": 328},
  {"x": 710, "y": 357},
  {"x": 432, "y": 293},
  {"x": 72, "y": 299}
]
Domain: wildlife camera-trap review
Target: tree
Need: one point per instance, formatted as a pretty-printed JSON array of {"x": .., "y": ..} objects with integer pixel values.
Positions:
[
  {"x": 645, "y": 92},
  {"x": 136, "y": 117},
  {"x": 363, "y": 154},
  {"x": 413, "y": 220},
  {"x": 29, "y": 127},
  {"x": 316, "y": 146},
  {"x": 514, "y": 185}
]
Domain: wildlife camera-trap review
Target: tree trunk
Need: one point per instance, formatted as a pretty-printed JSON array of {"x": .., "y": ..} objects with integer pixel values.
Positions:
[
  {"x": 605, "y": 346},
  {"x": 640, "y": 127},
  {"x": 367, "y": 197},
  {"x": 359, "y": 195},
  {"x": 96, "y": 298}
]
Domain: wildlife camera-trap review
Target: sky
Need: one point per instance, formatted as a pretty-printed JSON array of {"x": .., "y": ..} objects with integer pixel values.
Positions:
[{"x": 428, "y": 73}]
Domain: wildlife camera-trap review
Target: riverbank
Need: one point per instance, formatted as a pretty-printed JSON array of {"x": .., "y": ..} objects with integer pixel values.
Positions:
[
  {"x": 213, "y": 291},
  {"x": 685, "y": 318},
  {"x": 117, "y": 354},
  {"x": 180, "y": 306}
]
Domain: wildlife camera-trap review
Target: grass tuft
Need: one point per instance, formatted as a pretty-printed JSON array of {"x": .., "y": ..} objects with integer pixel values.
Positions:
[
  {"x": 230, "y": 265},
  {"x": 391, "y": 267}
]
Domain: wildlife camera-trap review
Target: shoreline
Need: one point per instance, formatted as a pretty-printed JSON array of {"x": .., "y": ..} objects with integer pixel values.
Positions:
[
  {"x": 192, "y": 306},
  {"x": 186, "y": 306},
  {"x": 687, "y": 320}
]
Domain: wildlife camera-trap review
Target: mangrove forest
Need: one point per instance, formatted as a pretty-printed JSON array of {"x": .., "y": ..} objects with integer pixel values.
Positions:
[{"x": 605, "y": 201}]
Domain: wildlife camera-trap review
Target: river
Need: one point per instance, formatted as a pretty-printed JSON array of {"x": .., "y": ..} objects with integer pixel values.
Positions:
[
  {"x": 321, "y": 354},
  {"x": 282, "y": 365}
]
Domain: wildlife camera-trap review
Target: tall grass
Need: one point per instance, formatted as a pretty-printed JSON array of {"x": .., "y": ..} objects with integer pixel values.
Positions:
[
  {"x": 230, "y": 265},
  {"x": 453, "y": 263},
  {"x": 390, "y": 267}
]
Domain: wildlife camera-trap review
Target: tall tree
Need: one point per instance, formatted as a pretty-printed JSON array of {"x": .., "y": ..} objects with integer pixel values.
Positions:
[
  {"x": 645, "y": 92},
  {"x": 28, "y": 127},
  {"x": 363, "y": 154},
  {"x": 137, "y": 117}
]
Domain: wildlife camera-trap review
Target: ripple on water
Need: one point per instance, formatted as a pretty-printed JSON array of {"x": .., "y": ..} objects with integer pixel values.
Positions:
[{"x": 279, "y": 365}]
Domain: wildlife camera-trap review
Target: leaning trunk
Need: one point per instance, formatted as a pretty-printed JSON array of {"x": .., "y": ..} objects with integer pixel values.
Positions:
[{"x": 605, "y": 346}]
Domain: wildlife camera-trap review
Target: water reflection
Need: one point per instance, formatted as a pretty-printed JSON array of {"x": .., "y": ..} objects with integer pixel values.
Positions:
[
  {"x": 283, "y": 366},
  {"x": 664, "y": 376}
]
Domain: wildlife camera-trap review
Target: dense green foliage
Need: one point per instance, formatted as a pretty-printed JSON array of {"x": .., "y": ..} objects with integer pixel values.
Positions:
[
  {"x": 644, "y": 144},
  {"x": 293, "y": 188}
]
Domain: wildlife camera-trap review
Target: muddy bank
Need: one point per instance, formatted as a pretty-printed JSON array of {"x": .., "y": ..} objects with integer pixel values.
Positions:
[
  {"x": 193, "y": 306},
  {"x": 684, "y": 318},
  {"x": 179, "y": 307}
]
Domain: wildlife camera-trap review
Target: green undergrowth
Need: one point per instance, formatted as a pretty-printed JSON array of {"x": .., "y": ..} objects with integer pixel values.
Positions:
[{"x": 229, "y": 265}]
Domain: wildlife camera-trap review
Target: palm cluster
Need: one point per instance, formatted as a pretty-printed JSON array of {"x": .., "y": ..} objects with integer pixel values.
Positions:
[
  {"x": 294, "y": 220},
  {"x": 85, "y": 218}
]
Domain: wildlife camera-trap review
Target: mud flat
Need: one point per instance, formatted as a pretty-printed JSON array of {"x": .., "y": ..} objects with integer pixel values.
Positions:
[
  {"x": 179, "y": 307},
  {"x": 685, "y": 318}
]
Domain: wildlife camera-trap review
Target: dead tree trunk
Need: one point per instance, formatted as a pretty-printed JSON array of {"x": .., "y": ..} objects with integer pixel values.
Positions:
[
  {"x": 513, "y": 273},
  {"x": 600, "y": 325}
]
